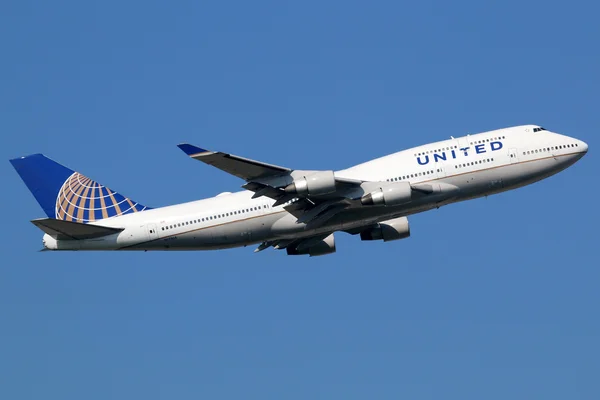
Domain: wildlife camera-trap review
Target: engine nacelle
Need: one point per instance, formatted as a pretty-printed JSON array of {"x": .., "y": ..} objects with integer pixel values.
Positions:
[
  {"x": 394, "y": 229},
  {"x": 320, "y": 248},
  {"x": 319, "y": 183},
  {"x": 394, "y": 194}
]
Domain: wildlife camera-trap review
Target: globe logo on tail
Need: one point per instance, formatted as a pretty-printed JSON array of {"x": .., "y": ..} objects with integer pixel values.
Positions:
[{"x": 81, "y": 199}]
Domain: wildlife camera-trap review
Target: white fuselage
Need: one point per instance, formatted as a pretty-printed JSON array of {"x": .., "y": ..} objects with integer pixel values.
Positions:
[{"x": 475, "y": 166}]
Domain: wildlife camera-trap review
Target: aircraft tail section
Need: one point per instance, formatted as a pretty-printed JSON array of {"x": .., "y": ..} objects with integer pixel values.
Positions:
[{"x": 67, "y": 195}]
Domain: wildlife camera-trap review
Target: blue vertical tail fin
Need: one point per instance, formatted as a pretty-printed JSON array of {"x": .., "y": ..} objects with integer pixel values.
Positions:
[{"x": 68, "y": 195}]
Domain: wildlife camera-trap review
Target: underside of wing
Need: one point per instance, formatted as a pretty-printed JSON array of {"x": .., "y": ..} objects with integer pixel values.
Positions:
[{"x": 317, "y": 245}]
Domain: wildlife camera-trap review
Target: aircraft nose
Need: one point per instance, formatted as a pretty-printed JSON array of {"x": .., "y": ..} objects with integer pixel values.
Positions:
[{"x": 584, "y": 147}]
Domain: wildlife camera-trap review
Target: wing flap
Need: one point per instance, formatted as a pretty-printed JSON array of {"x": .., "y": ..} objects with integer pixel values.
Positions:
[{"x": 65, "y": 230}]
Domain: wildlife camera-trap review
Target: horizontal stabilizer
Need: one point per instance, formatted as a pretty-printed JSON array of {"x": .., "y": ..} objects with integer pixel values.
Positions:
[{"x": 65, "y": 230}]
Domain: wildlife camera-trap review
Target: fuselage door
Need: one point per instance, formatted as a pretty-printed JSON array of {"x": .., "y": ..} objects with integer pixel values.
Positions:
[
  {"x": 464, "y": 146},
  {"x": 440, "y": 170},
  {"x": 513, "y": 155},
  {"x": 152, "y": 232}
]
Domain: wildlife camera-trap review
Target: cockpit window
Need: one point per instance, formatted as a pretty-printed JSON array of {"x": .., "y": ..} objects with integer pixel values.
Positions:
[{"x": 539, "y": 129}]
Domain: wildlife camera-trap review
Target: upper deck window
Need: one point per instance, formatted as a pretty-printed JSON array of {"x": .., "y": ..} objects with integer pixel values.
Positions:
[{"x": 538, "y": 129}]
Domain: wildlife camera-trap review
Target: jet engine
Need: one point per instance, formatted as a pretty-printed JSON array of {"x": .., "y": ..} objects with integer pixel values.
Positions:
[
  {"x": 394, "y": 194},
  {"x": 312, "y": 248},
  {"x": 394, "y": 229},
  {"x": 319, "y": 183}
]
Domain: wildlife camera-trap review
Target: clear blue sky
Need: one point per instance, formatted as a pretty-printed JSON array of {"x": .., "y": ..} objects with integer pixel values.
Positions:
[{"x": 495, "y": 298}]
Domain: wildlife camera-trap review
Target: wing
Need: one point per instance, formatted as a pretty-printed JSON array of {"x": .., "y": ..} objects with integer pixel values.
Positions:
[
  {"x": 272, "y": 180},
  {"x": 313, "y": 197},
  {"x": 239, "y": 166}
]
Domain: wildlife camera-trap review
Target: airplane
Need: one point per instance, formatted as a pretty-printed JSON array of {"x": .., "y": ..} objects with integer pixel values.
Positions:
[{"x": 296, "y": 210}]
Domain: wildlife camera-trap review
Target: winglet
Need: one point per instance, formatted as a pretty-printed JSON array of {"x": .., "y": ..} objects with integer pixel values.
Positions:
[
  {"x": 239, "y": 166},
  {"x": 191, "y": 150}
]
